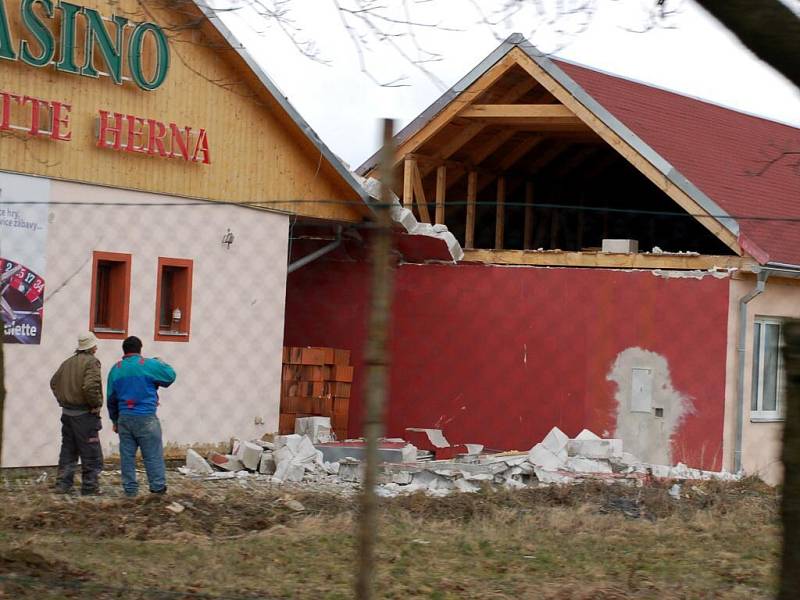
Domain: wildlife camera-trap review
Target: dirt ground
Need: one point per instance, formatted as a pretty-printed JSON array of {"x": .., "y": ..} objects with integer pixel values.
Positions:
[{"x": 250, "y": 539}]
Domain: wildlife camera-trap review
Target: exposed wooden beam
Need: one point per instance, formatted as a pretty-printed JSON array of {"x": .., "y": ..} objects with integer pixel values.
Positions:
[
  {"x": 557, "y": 258},
  {"x": 472, "y": 129},
  {"x": 491, "y": 146},
  {"x": 441, "y": 191},
  {"x": 419, "y": 194},
  {"x": 487, "y": 150},
  {"x": 472, "y": 195},
  {"x": 514, "y": 93},
  {"x": 467, "y": 97},
  {"x": 500, "y": 216},
  {"x": 528, "y": 231},
  {"x": 555, "y": 221},
  {"x": 516, "y": 111},
  {"x": 427, "y": 163},
  {"x": 455, "y": 143},
  {"x": 519, "y": 151},
  {"x": 409, "y": 166},
  {"x": 626, "y": 149}
]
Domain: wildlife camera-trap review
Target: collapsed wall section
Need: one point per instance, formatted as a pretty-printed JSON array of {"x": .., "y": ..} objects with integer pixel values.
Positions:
[{"x": 500, "y": 355}]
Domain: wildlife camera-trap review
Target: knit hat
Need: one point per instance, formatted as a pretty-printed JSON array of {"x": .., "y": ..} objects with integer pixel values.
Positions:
[{"x": 86, "y": 341}]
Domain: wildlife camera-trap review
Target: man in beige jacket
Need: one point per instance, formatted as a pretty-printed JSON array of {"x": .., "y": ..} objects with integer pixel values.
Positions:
[{"x": 78, "y": 387}]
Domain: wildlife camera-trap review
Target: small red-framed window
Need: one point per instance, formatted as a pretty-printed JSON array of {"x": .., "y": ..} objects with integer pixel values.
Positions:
[
  {"x": 173, "y": 300},
  {"x": 111, "y": 294}
]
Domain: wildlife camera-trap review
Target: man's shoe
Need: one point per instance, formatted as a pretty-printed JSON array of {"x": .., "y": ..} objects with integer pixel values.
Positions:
[
  {"x": 160, "y": 492},
  {"x": 97, "y": 492},
  {"x": 62, "y": 490}
]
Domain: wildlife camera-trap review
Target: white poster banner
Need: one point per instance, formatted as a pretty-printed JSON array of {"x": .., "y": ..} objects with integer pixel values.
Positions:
[{"x": 24, "y": 206}]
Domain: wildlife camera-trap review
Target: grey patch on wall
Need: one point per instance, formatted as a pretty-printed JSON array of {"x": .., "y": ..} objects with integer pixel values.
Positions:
[{"x": 649, "y": 408}]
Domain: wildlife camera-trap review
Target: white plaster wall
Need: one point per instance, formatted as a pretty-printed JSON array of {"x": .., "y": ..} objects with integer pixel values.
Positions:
[
  {"x": 761, "y": 445},
  {"x": 228, "y": 373},
  {"x": 646, "y": 436}
]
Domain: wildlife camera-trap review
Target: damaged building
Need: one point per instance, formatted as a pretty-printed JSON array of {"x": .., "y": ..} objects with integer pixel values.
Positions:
[
  {"x": 149, "y": 174},
  {"x": 576, "y": 250}
]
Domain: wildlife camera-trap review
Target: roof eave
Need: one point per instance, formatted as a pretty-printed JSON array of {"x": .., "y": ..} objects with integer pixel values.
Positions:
[
  {"x": 442, "y": 101},
  {"x": 517, "y": 40},
  {"x": 283, "y": 101},
  {"x": 649, "y": 154}
]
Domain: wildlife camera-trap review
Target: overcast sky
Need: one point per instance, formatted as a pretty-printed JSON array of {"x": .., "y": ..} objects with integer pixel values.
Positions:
[{"x": 689, "y": 53}]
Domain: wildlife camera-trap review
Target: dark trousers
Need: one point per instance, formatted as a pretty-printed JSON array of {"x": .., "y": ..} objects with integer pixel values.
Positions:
[{"x": 80, "y": 439}]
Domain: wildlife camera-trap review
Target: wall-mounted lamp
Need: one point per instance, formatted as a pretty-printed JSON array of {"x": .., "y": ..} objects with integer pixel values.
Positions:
[
  {"x": 227, "y": 240},
  {"x": 176, "y": 315}
]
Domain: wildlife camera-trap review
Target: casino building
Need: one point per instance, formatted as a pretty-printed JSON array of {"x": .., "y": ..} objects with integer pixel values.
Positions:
[{"x": 149, "y": 175}]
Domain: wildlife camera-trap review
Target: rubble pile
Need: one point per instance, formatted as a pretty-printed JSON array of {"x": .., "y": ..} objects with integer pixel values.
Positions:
[{"x": 426, "y": 461}]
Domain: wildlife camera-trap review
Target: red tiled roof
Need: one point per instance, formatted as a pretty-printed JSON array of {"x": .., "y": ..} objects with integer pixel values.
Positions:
[{"x": 720, "y": 151}]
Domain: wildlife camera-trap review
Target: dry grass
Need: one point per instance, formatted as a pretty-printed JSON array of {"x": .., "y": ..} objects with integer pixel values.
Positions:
[{"x": 591, "y": 541}]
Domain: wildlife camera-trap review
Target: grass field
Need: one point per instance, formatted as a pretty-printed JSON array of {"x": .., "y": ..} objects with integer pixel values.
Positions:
[{"x": 247, "y": 540}]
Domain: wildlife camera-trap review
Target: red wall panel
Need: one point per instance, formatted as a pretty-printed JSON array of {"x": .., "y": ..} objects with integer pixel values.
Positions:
[{"x": 499, "y": 355}]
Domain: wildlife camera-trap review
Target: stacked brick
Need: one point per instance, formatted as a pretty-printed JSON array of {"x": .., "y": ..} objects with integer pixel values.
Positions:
[{"x": 316, "y": 382}]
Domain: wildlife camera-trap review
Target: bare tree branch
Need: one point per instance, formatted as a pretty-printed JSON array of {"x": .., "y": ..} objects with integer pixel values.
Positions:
[{"x": 769, "y": 28}]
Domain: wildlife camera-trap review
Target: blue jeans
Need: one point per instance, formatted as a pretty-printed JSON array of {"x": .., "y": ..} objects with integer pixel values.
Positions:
[{"x": 144, "y": 432}]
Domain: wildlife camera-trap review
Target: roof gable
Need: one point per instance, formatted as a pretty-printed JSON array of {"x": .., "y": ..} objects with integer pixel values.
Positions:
[
  {"x": 261, "y": 151},
  {"x": 655, "y": 131},
  {"x": 721, "y": 151}
]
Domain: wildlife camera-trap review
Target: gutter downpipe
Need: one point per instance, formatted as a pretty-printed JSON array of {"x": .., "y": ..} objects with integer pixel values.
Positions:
[
  {"x": 761, "y": 284},
  {"x": 309, "y": 258}
]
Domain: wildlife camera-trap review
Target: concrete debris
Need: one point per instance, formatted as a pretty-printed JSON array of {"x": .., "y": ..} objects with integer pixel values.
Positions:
[
  {"x": 556, "y": 460},
  {"x": 540, "y": 456},
  {"x": 318, "y": 429},
  {"x": 350, "y": 470},
  {"x": 293, "y": 504},
  {"x": 176, "y": 507},
  {"x": 585, "y": 434},
  {"x": 389, "y": 451},
  {"x": 227, "y": 462},
  {"x": 250, "y": 455},
  {"x": 550, "y": 477},
  {"x": 578, "y": 464},
  {"x": 266, "y": 466},
  {"x": 427, "y": 439},
  {"x": 197, "y": 464},
  {"x": 408, "y": 221},
  {"x": 556, "y": 442},
  {"x": 474, "y": 449},
  {"x": 595, "y": 448}
]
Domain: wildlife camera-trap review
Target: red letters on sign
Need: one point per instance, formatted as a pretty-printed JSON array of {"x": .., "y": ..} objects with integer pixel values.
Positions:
[
  {"x": 149, "y": 136},
  {"x": 35, "y": 117}
]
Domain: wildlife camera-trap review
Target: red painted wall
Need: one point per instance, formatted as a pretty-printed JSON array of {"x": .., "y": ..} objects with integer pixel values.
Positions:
[{"x": 499, "y": 355}]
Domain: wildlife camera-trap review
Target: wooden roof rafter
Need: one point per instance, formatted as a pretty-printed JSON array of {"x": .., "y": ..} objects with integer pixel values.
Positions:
[
  {"x": 597, "y": 123},
  {"x": 472, "y": 129},
  {"x": 464, "y": 99},
  {"x": 627, "y": 150}
]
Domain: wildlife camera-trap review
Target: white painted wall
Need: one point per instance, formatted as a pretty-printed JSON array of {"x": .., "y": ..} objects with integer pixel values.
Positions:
[
  {"x": 761, "y": 446},
  {"x": 228, "y": 373}
]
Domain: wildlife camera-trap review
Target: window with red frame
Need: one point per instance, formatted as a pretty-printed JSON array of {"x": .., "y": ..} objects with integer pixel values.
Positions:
[
  {"x": 173, "y": 300},
  {"x": 111, "y": 292}
]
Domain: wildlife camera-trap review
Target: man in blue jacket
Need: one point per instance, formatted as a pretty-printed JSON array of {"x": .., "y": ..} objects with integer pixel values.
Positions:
[{"x": 133, "y": 384}]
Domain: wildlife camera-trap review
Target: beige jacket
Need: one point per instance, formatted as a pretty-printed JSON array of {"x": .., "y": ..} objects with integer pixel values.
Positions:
[{"x": 78, "y": 383}]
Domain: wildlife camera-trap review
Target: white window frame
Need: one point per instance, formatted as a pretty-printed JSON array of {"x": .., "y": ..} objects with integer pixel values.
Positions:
[{"x": 778, "y": 414}]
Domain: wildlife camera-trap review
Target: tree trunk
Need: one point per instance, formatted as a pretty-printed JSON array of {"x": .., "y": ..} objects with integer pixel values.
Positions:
[
  {"x": 790, "y": 503},
  {"x": 767, "y": 27},
  {"x": 376, "y": 361}
]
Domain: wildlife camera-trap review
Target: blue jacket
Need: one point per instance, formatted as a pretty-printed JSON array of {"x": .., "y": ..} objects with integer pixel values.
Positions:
[{"x": 133, "y": 384}]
